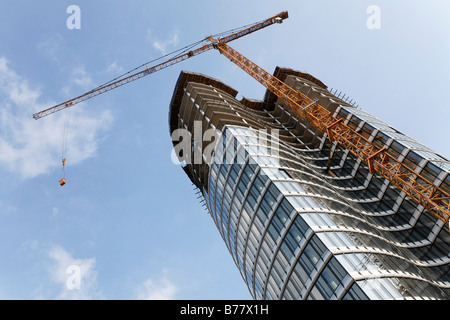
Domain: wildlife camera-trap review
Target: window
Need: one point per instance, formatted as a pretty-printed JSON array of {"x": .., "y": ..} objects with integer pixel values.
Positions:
[
  {"x": 224, "y": 169},
  {"x": 302, "y": 202},
  {"x": 234, "y": 173},
  {"x": 446, "y": 184},
  {"x": 355, "y": 293},
  {"x": 243, "y": 183},
  {"x": 412, "y": 160},
  {"x": 251, "y": 201},
  {"x": 330, "y": 278},
  {"x": 301, "y": 273},
  {"x": 342, "y": 114},
  {"x": 280, "y": 218},
  {"x": 336, "y": 239},
  {"x": 380, "y": 139},
  {"x": 258, "y": 185},
  {"x": 295, "y": 234},
  {"x": 312, "y": 253},
  {"x": 430, "y": 172},
  {"x": 267, "y": 201},
  {"x": 354, "y": 122},
  {"x": 395, "y": 149},
  {"x": 367, "y": 130}
]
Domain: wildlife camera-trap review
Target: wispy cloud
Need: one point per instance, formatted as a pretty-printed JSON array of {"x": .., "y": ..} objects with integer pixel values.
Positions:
[
  {"x": 78, "y": 78},
  {"x": 81, "y": 78},
  {"x": 50, "y": 47},
  {"x": 160, "y": 288},
  {"x": 31, "y": 148},
  {"x": 115, "y": 68},
  {"x": 163, "y": 45},
  {"x": 66, "y": 268}
]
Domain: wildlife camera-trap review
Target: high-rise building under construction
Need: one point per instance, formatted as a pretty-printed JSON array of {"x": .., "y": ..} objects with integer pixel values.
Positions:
[{"x": 302, "y": 217}]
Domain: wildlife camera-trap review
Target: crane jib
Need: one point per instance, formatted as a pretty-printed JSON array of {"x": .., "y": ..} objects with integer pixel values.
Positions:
[{"x": 102, "y": 89}]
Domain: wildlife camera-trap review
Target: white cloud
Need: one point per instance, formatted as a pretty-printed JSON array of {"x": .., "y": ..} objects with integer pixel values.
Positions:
[
  {"x": 114, "y": 68},
  {"x": 78, "y": 78},
  {"x": 31, "y": 148},
  {"x": 162, "y": 46},
  {"x": 81, "y": 78},
  {"x": 50, "y": 47},
  {"x": 76, "y": 277},
  {"x": 159, "y": 289}
]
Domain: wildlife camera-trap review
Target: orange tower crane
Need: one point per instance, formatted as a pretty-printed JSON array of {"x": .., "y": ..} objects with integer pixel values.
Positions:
[{"x": 431, "y": 197}]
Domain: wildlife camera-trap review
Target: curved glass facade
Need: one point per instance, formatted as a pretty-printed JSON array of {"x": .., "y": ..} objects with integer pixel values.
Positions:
[
  {"x": 272, "y": 225},
  {"x": 298, "y": 231}
]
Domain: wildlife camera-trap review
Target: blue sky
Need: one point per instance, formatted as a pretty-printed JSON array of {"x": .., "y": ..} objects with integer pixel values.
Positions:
[{"x": 128, "y": 217}]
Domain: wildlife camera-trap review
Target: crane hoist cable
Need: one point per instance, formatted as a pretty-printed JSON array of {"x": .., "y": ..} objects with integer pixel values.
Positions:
[
  {"x": 65, "y": 139},
  {"x": 179, "y": 55}
]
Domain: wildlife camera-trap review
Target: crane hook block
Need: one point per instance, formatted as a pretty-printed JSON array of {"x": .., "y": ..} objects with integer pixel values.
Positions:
[
  {"x": 62, "y": 182},
  {"x": 63, "y": 162}
]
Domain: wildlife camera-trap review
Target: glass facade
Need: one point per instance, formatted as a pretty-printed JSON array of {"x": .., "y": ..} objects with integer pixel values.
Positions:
[
  {"x": 298, "y": 232},
  {"x": 267, "y": 220}
]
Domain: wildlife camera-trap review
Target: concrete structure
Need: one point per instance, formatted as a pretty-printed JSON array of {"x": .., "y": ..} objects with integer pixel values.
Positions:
[{"x": 295, "y": 229}]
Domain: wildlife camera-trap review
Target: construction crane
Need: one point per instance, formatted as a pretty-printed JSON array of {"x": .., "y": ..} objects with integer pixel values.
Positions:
[
  {"x": 149, "y": 70},
  {"x": 424, "y": 192}
]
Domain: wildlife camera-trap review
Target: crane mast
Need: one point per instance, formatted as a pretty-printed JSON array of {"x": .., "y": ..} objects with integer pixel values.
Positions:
[{"x": 423, "y": 191}]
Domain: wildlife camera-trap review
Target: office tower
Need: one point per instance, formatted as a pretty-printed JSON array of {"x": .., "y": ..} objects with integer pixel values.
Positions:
[{"x": 302, "y": 217}]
